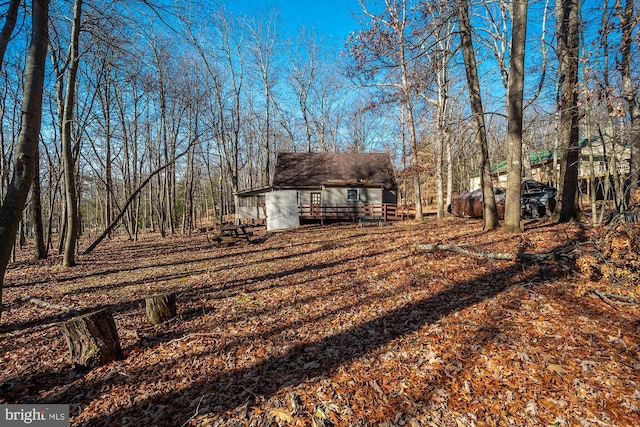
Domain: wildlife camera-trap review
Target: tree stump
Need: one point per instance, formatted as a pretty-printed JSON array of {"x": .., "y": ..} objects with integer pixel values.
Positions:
[
  {"x": 160, "y": 308},
  {"x": 92, "y": 339}
]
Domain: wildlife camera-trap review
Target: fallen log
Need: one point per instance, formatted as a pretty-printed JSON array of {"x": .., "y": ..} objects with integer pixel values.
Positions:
[
  {"x": 491, "y": 255},
  {"x": 66, "y": 310},
  {"x": 556, "y": 256},
  {"x": 92, "y": 339},
  {"x": 459, "y": 250}
]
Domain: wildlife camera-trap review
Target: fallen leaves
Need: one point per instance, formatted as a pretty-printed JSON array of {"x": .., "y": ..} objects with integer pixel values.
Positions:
[{"x": 330, "y": 326}]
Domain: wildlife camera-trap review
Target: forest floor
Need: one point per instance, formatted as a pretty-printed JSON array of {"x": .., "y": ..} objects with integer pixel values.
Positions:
[{"x": 336, "y": 325}]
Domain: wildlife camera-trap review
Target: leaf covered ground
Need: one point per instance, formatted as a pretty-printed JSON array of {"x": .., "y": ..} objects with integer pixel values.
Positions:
[{"x": 331, "y": 326}]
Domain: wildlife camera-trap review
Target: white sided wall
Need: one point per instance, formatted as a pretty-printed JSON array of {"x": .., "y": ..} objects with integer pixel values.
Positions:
[{"x": 282, "y": 210}]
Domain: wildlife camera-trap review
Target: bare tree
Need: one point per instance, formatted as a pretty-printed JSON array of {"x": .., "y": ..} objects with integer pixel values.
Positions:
[
  {"x": 130, "y": 123},
  {"x": 304, "y": 60},
  {"x": 41, "y": 250},
  {"x": 362, "y": 124},
  {"x": 477, "y": 110},
  {"x": 606, "y": 92},
  {"x": 11, "y": 93},
  {"x": 263, "y": 32},
  {"x": 71, "y": 191},
  {"x": 385, "y": 49},
  {"x": 628, "y": 21},
  {"x": 439, "y": 26},
  {"x": 567, "y": 27},
  {"x": 25, "y": 160},
  {"x": 225, "y": 68},
  {"x": 514, "y": 108},
  {"x": 105, "y": 95}
]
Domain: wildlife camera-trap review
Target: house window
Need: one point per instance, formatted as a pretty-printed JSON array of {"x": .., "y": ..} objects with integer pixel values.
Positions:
[{"x": 352, "y": 195}]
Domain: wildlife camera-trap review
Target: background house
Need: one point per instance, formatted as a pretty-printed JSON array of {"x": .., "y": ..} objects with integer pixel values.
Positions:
[
  {"x": 324, "y": 186},
  {"x": 546, "y": 169}
]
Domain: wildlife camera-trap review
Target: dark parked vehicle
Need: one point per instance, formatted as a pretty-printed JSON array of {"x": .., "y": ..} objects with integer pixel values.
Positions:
[{"x": 537, "y": 201}]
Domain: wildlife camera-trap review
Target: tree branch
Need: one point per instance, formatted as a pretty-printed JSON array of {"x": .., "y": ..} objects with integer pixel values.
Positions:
[
  {"x": 491, "y": 255},
  {"x": 131, "y": 198}
]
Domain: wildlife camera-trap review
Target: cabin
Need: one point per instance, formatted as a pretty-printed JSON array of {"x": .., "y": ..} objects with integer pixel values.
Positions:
[{"x": 319, "y": 187}]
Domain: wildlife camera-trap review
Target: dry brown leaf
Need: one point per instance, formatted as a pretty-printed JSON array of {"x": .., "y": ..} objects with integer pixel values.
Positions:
[
  {"x": 556, "y": 369},
  {"x": 280, "y": 415}
]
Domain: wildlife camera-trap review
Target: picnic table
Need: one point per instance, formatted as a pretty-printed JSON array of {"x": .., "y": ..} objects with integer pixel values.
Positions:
[
  {"x": 229, "y": 234},
  {"x": 238, "y": 231}
]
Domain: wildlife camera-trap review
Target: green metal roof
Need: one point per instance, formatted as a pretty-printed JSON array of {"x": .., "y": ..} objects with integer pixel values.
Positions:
[{"x": 535, "y": 157}]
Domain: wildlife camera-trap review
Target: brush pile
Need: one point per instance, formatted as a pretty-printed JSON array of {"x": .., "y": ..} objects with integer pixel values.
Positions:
[{"x": 612, "y": 265}]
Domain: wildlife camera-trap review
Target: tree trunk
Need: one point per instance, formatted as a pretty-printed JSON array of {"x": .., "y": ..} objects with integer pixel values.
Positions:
[
  {"x": 438, "y": 147},
  {"x": 514, "y": 121},
  {"x": 449, "y": 155},
  {"x": 71, "y": 191},
  {"x": 160, "y": 308},
  {"x": 592, "y": 190},
  {"x": 629, "y": 88},
  {"x": 444, "y": 133},
  {"x": 25, "y": 158},
  {"x": 415, "y": 160},
  {"x": 473, "y": 83},
  {"x": 567, "y": 13},
  {"x": 610, "y": 144},
  {"x": 53, "y": 191},
  {"x": 92, "y": 339},
  {"x": 63, "y": 229},
  {"x": 108, "y": 169},
  {"x": 41, "y": 251},
  {"x": 21, "y": 233}
]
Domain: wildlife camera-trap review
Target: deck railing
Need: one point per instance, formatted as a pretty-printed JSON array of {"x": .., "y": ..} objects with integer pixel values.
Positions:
[{"x": 386, "y": 212}]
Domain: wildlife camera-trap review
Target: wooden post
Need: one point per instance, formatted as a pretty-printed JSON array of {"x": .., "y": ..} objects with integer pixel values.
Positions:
[
  {"x": 92, "y": 339},
  {"x": 160, "y": 308}
]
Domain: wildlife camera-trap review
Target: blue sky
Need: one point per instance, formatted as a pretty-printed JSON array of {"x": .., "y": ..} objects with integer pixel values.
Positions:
[{"x": 331, "y": 18}]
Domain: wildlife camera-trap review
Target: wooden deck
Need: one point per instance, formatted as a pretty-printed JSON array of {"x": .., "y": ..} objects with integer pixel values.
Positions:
[{"x": 355, "y": 213}]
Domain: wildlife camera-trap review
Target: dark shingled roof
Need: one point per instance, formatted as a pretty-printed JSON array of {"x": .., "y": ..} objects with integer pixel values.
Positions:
[{"x": 312, "y": 170}]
